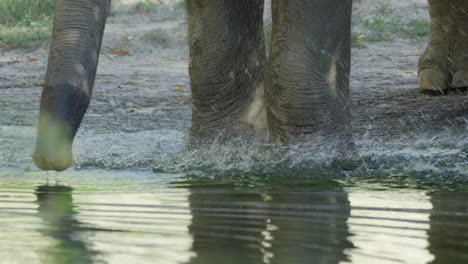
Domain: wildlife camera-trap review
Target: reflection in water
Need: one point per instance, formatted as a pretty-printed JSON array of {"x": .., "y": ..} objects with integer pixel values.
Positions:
[
  {"x": 389, "y": 226},
  {"x": 56, "y": 209},
  {"x": 246, "y": 219},
  {"x": 287, "y": 225},
  {"x": 448, "y": 233}
]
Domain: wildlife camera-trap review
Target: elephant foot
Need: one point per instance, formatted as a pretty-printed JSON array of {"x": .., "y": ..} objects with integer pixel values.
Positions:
[
  {"x": 435, "y": 64},
  {"x": 444, "y": 64},
  {"x": 438, "y": 80},
  {"x": 433, "y": 82},
  {"x": 248, "y": 124},
  {"x": 460, "y": 80}
]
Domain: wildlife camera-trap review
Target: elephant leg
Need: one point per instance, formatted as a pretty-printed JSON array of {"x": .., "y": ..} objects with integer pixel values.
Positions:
[
  {"x": 71, "y": 71},
  {"x": 459, "y": 69},
  {"x": 307, "y": 79},
  {"x": 444, "y": 63},
  {"x": 227, "y": 57}
]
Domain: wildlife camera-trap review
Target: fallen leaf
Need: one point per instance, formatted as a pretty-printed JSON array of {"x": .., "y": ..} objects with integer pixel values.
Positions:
[
  {"x": 131, "y": 110},
  {"x": 31, "y": 58},
  {"x": 410, "y": 73},
  {"x": 361, "y": 38},
  {"x": 121, "y": 53},
  {"x": 131, "y": 83},
  {"x": 180, "y": 88}
]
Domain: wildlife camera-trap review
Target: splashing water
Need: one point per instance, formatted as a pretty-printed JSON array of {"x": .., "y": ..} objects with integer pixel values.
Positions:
[{"x": 429, "y": 161}]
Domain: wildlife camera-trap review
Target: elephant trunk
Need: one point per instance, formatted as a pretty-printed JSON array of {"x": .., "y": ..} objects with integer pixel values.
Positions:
[
  {"x": 71, "y": 71},
  {"x": 307, "y": 82}
]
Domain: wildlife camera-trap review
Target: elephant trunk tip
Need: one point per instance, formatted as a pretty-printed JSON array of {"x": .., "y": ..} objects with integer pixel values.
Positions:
[
  {"x": 45, "y": 163},
  {"x": 54, "y": 146}
]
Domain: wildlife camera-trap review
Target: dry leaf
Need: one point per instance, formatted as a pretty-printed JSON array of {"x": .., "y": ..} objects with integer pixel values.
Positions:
[
  {"x": 180, "y": 88},
  {"x": 361, "y": 38},
  {"x": 131, "y": 110},
  {"x": 121, "y": 53},
  {"x": 31, "y": 58},
  {"x": 131, "y": 83}
]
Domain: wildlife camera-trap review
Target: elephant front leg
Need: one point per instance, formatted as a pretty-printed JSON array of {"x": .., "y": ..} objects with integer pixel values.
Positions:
[
  {"x": 227, "y": 57},
  {"x": 71, "y": 70},
  {"x": 307, "y": 83},
  {"x": 444, "y": 63}
]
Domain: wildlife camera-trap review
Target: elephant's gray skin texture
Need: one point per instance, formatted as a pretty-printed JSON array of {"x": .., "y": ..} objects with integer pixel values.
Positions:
[{"x": 299, "y": 95}]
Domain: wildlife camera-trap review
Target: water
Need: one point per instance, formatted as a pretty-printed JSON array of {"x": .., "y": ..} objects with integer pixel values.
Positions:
[
  {"x": 138, "y": 216},
  {"x": 127, "y": 201}
]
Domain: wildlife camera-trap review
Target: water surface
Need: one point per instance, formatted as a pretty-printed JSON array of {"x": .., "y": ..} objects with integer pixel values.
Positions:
[{"x": 103, "y": 216}]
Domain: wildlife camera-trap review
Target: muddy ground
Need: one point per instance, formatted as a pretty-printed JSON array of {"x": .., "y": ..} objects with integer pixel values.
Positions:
[{"x": 148, "y": 90}]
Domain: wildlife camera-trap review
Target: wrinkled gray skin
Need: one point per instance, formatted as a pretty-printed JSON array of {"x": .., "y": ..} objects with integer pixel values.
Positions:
[{"x": 299, "y": 96}]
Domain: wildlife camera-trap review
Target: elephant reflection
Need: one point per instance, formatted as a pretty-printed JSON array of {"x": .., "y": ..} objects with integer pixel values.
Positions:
[
  {"x": 448, "y": 233},
  {"x": 56, "y": 209},
  {"x": 297, "y": 226}
]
